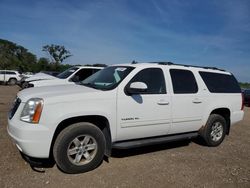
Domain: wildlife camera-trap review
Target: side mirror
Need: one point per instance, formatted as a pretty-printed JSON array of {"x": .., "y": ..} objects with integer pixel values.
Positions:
[{"x": 136, "y": 88}]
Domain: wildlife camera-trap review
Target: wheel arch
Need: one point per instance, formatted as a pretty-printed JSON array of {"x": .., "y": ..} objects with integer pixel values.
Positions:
[
  {"x": 100, "y": 121},
  {"x": 225, "y": 113}
]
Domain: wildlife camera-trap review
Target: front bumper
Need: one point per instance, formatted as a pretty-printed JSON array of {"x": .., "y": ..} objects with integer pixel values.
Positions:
[{"x": 33, "y": 140}]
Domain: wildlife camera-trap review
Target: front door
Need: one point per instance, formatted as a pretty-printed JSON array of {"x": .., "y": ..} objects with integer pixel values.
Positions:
[{"x": 146, "y": 114}]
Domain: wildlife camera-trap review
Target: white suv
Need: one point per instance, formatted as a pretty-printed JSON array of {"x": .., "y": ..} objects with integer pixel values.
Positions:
[
  {"x": 124, "y": 106},
  {"x": 69, "y": 76},
  {"x": 10, "y": 76}
]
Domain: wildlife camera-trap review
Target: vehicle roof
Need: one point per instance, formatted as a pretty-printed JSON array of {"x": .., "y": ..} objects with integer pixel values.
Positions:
[
  {"x": 175, "y": 66},
  {"x": 88, "y": 67},
  {"x": 10, "y": 70}
]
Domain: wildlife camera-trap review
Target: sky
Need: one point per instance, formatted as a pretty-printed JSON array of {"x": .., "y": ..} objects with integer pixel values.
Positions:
[{"x": 197, "y": 32}]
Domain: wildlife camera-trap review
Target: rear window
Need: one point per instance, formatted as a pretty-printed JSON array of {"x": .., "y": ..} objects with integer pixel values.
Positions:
[
  {"x": 183, "y": 81},
  {"x": 220, "y": 83}
]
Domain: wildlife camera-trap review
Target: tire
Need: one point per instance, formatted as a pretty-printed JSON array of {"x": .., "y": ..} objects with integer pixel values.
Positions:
[
  {"x": 12, "y": 81},
  {"x": 79, "y": 148},
  {"x": 215, "y": 130}
]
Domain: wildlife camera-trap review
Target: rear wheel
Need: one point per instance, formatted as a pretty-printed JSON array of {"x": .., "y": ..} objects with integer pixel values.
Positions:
[
  {"x": 79, "y": 148},
  {"x": 12, "y": 81},
  {"x": 215, "y": 130}
]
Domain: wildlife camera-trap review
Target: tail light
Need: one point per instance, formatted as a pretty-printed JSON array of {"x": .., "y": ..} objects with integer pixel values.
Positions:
[{"x": 242, "y": 104}]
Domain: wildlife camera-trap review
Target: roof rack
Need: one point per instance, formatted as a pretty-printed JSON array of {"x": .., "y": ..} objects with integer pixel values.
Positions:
[{"x": 204, "y": 67}]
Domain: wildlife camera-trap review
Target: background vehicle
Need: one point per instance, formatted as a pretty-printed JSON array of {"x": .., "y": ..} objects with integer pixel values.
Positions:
[
  {"x": 70, "y": 76},
  {"x": 246, "y": 94},
  {"x": 124, "y": 106},
  {"x": 27, "y": 74},
  {"x": 24, "y": 82},
  {"x": 10, "y": 76}
]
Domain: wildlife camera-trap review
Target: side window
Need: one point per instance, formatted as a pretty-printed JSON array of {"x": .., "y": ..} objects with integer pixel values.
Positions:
[
  {"x": 9, "y": 72},
  {"x": 183, "y": 81},
  {"x": 153, "y": 78},
  {"x": 82, "y": 75},
  {"x": 1, "y": 72},
  {"x": 220, "y": 83}
]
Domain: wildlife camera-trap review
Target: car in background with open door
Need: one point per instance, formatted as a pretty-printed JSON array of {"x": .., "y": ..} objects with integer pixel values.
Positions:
[{"x": 70, "y": 76}]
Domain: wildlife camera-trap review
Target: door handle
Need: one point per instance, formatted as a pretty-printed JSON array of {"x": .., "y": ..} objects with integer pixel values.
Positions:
[
  {"x": 197, "y": 101},
  {"x": 163, "y": 102}
]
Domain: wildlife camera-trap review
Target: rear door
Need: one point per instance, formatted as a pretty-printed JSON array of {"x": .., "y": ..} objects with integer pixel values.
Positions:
[
  {"x": 187, "y": 102},
  {"x": 146, "y": 114}
]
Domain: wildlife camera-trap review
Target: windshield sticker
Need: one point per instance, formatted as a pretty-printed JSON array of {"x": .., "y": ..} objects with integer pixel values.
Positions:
[{"x": 117, "y": 77}]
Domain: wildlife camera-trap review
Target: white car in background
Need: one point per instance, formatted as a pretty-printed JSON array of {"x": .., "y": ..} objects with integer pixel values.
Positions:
[
  {"x": 70, "y": 76},
  {"x": 38, "y": 76},
  {"x": 10, "y": 76}
]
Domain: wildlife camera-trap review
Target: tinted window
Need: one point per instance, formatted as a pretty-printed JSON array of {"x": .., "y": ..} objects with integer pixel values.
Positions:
[
  {"x": 153, "y": 78},
  {"x": 9, "y": 72},
  {"x": 220, "y": 83},
  {"x": 1, "y": 72},
  {"x": 183, "y": 81},
  {"x": 83, "y": 74},
  {"x": 65, "y": 74}
]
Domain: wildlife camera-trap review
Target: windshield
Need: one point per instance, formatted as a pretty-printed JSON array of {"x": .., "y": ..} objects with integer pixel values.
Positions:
[
  {"x": 67, "y": 73},
  {"x": 108, "y": 78}
]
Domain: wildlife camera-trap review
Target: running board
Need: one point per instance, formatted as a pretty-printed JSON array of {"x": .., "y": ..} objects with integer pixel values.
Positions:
[{"x": 152, "y": 141}]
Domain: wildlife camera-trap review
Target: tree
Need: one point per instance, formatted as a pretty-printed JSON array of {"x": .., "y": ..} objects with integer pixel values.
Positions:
[
  {"x": 42, "y": 65},
  {"x": 13, "y": 56},
  {"x": 57, "y": 53}
]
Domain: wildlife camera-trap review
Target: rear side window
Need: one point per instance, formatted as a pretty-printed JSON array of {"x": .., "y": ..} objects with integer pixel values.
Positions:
[
  {"x": 183, "y": 81},
  {"x": 220, "y": 83},
  {"x": 154, "y": 79}
]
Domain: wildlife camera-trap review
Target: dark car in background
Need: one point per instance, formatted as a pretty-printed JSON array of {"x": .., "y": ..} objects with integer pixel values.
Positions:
[{"x": 246, "y": 93}]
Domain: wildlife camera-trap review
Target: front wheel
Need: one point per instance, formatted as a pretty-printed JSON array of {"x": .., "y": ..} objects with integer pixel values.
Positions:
[
  {"x": 79, "y": 148},
  {"x": 215, "y": 130}
]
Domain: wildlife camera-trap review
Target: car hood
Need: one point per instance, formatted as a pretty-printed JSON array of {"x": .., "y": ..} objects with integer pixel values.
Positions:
[
  {"x": 40, "y": 76},
  {"x": 59, "y": 93},
  {"x": 48, "y": 82}
]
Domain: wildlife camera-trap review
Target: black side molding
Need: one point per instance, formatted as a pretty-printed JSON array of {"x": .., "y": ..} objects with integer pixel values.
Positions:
[{"x": 153, "y": 140}]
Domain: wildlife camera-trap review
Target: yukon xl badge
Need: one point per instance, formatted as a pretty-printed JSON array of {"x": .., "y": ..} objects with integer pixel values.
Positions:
[{"x": 129, "y": 119}]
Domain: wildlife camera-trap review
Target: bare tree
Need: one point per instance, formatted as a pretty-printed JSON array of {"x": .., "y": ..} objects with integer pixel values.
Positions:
[{"x": 57, "y": 53}]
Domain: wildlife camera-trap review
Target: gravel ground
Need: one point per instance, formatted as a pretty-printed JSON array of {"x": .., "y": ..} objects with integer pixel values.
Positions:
[{"x": 179, "y": 164}]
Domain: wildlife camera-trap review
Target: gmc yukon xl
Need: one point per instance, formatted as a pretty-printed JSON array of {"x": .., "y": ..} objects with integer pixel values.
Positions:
[{"x": 124, "y": 106}]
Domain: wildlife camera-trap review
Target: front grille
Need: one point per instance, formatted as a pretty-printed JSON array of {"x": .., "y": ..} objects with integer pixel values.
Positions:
[{"x": 14, "y": 108}]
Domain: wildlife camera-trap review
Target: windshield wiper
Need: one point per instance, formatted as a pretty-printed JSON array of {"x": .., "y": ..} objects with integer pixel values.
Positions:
[{"x": 90, "y": 85}]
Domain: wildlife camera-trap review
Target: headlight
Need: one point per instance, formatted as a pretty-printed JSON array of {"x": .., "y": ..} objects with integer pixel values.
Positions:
[{"x": 32, "y": 110}]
